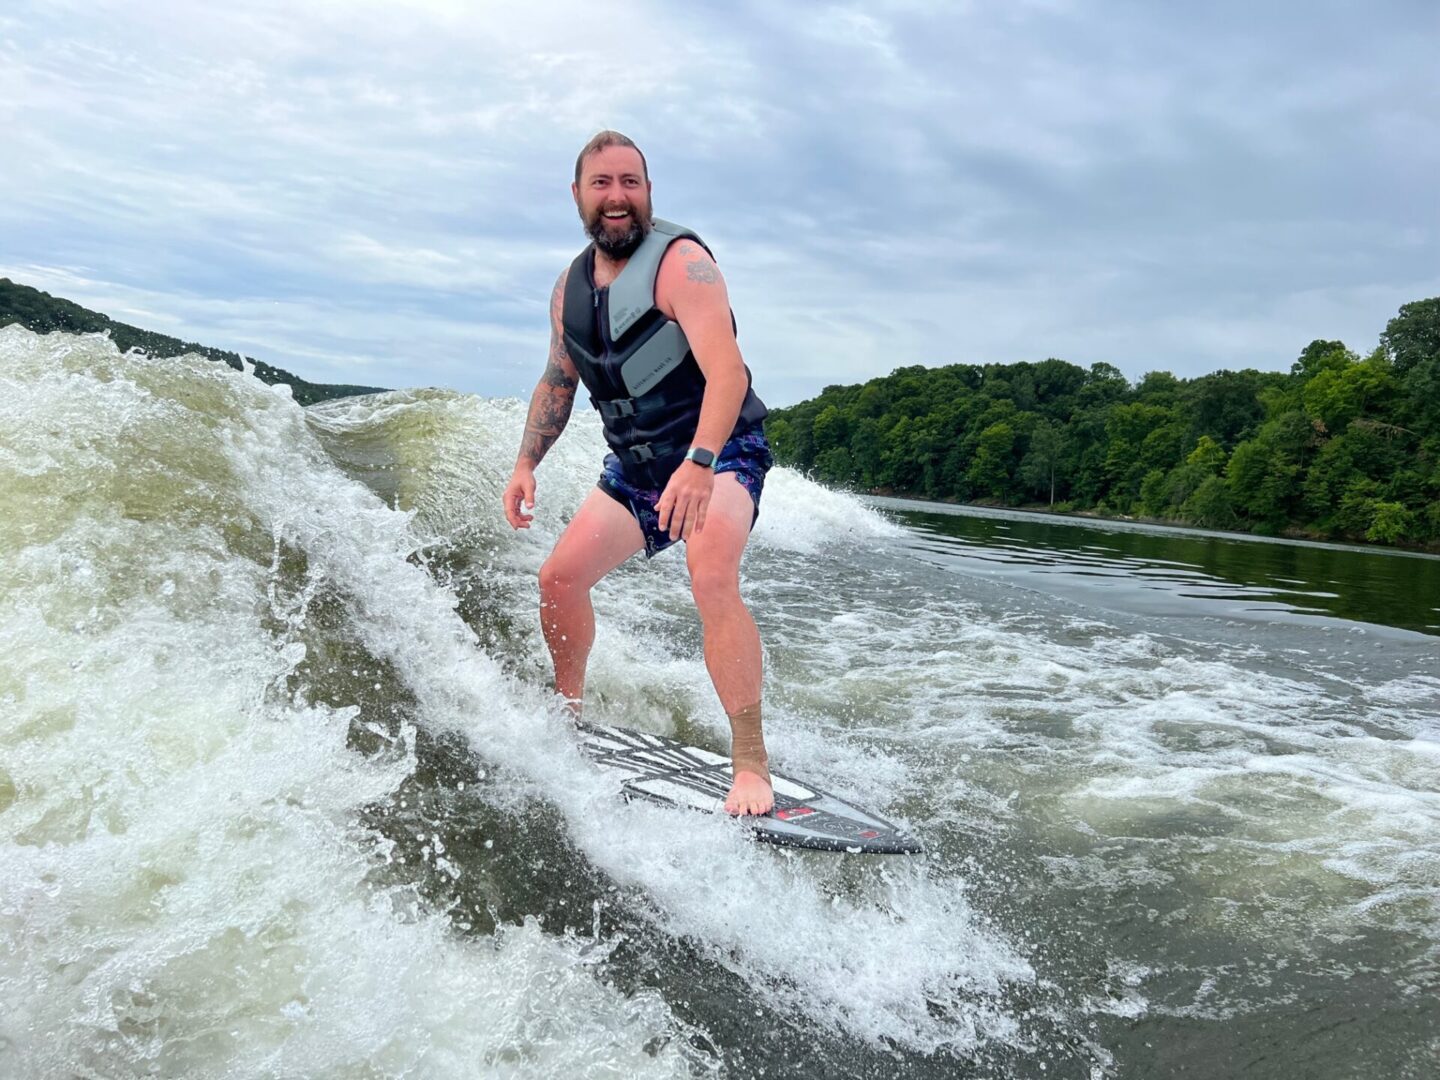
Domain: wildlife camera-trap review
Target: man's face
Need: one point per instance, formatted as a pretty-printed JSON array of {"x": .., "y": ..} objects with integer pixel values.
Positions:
[{"x": 613, "y": 198}]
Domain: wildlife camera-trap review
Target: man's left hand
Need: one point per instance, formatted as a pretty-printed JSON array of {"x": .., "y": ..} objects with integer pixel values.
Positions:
[{"x": 686, "y": 497}]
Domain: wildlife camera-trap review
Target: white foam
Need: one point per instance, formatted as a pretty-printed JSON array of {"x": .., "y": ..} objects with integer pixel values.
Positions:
[
  {"x": 184, "y": 887},
  {"x": 884, "y": 685},
  {"x": 877, "y": 963},
  {"x": 859, "y": 961}
]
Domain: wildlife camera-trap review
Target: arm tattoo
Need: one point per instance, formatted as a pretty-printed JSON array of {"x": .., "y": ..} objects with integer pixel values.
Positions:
[
  {"x": 703, "y": 271},
  {"x": 555, "y": 376},
  {"x": 554, "y": 396},
  {"x": 549, "y": 413}
]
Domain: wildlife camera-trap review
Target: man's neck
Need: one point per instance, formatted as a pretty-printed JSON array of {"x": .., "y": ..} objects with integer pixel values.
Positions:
[{"x": 607, "y": 269}]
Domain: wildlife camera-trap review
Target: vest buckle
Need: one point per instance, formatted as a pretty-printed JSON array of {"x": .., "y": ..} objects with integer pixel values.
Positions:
[
  {"x": 641, "y": 452},
  {"x": 620, "y": 407}
]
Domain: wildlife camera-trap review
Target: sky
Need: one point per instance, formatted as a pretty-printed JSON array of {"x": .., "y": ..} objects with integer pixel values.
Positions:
[{"x": 378, "y": 192}]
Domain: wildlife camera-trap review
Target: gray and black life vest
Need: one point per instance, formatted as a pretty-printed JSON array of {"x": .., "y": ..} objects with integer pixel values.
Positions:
[{"x": 636, "y": 363}]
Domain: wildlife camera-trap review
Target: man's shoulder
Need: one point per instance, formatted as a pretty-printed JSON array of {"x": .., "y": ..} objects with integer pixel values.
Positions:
[
  {"x": 689, "y": 283},
  {"x": 578, "y": 261},
  {"x": 688, "y": 260},
  {"x": 661, "y": 227}
]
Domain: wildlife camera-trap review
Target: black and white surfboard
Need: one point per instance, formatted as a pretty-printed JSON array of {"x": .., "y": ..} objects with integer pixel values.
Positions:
[{"x": 665, "y": 771}]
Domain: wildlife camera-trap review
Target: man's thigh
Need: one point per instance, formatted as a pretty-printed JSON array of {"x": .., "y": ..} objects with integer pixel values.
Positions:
[
  {"x": 601, "y": 536},
  {"x": 719, "y": 545}
]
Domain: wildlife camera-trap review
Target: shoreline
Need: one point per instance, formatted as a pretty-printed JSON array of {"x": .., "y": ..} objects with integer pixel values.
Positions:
[{"x": 1082, "y": 516}]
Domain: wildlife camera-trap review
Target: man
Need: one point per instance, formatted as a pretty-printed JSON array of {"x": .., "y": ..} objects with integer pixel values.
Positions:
[{"x": 643, "y": 318}]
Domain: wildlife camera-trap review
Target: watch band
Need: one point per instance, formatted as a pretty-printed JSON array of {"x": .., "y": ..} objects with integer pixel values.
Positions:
[{"x": 700, "y": 456}]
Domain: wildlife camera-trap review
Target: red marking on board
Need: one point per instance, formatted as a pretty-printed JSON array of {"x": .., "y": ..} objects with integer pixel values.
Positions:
[
  {"x": 869, "y": 834},
  {"x": 795, "y": 811}
]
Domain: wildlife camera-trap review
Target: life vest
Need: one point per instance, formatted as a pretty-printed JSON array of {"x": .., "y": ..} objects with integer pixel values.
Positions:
[{"x": 636, "y": 364}]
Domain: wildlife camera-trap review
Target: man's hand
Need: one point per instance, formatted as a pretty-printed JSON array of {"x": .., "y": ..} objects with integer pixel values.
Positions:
[
  {"x": 520, "y": 489},
  {"x": 686, "y": 497}
]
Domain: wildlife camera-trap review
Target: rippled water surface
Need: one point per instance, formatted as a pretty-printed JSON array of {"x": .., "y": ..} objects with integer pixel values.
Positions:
[
  {"x": 282, "y": 792},
  {"x": 1140, "y": 567}
]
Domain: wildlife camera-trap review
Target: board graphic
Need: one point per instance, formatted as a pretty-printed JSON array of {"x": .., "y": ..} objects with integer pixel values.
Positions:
[{"x": 665, "y": 771}]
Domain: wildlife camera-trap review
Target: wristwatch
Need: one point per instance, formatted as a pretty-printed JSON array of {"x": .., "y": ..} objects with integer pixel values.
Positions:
[{"x": 700, "y": 456}]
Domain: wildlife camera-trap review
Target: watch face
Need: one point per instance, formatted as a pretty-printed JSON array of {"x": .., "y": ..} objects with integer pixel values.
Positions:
[{"x": 700, "y": 456}]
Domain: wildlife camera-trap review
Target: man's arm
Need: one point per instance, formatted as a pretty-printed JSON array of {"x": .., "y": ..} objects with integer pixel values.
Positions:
[
  {"x": 690, "y": 290},
  {"x": 550, "y": 407},
  {"x": 554, "y": 395}
]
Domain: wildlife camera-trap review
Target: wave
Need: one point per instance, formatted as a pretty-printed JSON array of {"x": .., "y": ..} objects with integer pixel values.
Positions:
[{"x": 283, "y": 792}]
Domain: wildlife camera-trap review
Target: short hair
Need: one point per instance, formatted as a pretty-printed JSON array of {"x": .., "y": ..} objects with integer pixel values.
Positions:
[{"x": 604, "y": 139}]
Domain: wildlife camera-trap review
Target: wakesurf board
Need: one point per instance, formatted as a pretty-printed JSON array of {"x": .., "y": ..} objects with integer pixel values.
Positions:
[{"x": 668, "y": 772}]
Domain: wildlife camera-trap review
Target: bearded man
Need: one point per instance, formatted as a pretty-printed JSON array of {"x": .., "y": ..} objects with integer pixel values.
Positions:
[{"x": 642, "y": 317}]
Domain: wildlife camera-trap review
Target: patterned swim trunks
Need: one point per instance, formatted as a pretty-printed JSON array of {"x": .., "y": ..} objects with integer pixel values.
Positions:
[{"x": 747, "y": 455}]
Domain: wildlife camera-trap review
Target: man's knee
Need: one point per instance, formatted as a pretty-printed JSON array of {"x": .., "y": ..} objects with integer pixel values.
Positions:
[
  {"x": 558, "y": 578},
  {"x": 714, "y": 588}
]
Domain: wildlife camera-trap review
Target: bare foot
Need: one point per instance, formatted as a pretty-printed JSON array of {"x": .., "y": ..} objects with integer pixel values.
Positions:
[{"x": 749, "y": 794}]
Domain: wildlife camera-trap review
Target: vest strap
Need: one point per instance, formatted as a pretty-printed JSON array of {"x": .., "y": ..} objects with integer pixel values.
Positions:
[
  {"x": 660, "y": 398},
  {"x": 644, "y": 453},
  {"x": 615, "y": 410}
]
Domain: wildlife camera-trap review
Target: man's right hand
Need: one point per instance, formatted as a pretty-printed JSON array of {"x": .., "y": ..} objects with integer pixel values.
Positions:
[{"x": 521, "y": 489}]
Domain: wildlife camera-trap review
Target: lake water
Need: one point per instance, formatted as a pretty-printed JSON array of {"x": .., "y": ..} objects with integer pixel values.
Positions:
[{"x": 283, "y": 792}]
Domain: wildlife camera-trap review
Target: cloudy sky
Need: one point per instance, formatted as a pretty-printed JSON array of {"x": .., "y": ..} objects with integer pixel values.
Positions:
[{"x": 378, "y": 192}]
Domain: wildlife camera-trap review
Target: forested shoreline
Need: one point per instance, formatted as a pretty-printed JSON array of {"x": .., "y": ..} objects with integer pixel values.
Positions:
[
  {"x": 44, "y": 314},
  {"x": 1343, "y": 446}
]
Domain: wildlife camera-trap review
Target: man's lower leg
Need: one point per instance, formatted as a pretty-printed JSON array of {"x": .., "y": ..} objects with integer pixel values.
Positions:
[
  {"x": 567, "y": 620},
  {"x": 733, "y": 658},
  {"x": 747, "y": 743}
]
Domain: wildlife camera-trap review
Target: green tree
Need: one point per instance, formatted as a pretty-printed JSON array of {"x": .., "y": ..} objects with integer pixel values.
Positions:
[
  {"x": 1347, "y": 388},
  {"x": 1264, "y": 473},
  {"x": 43, "y": 314},
  {"x": 1338, "y": 445},
  {"x": 1208, "y": 454},
  {"x": 1153, "y": 502},
  {"x": 1207, "y": 460},
  {"x": 1413, "y": 336},
  {"x": 1135, "y": 443},
  {"x": 1158, "y": 388},
  {"x": 1391, "y": 523},
  {"x": 1040, "y": 466},
  {"x": 781, "y": 433},
  {"x": 1226, "y": 405},
  {"x": 829, "y": 430},
  {"x": 1317, "y": 356},
  {"x": 1377, "y": 457},
  {"x": 989, "y": 472},
  {"x": 836, "y": 466},
  {"x": 1210, "y": 506}
]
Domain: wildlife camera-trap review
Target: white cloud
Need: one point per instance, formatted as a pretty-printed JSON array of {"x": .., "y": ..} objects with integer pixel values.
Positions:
[{"x": 384, "y": 186}]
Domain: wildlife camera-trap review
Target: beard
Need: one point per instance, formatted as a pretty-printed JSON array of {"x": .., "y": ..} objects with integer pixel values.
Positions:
[{"x": 618, "y": 243}]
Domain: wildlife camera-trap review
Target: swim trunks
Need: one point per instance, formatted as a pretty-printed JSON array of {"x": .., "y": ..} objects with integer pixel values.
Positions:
[{"x": 747, "y": 455}]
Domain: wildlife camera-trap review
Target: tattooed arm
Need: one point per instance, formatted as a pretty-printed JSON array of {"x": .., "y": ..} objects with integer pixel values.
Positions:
[
  {"x": 690, "y": 289},
  {"x": 550, "y": 407}
]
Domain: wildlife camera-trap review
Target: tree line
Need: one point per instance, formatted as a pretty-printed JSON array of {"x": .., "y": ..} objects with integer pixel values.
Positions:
[
  {"x": 1342, "y": 446},
  {"x": 44, "y": 314}
]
